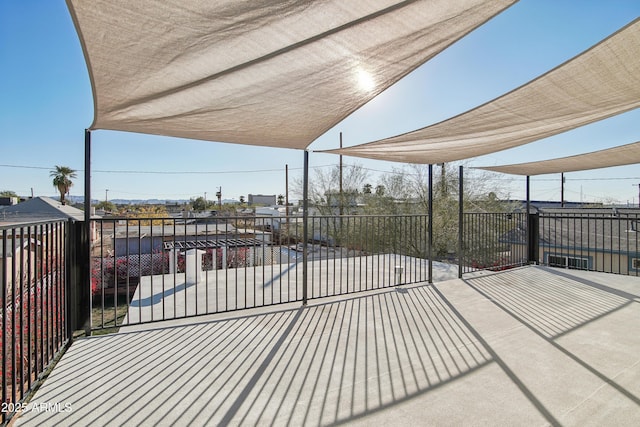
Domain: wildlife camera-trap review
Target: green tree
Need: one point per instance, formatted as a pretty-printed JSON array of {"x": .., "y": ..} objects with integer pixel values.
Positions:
[
  {"x": 408, "y": 186},
  {"x": 8, "y": 193},
  {"x": 324, "y": 188},
  {"x": 199, "y": 204},
  {"x": 149, "y": 215},
  {"x": 106, "y": 206},
  {"x": 62, "y": 176},
  {"x": 280, "y": 200}
]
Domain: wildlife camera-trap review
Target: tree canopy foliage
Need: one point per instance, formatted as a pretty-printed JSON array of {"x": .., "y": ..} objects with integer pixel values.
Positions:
[
  {"x": 8, "y": 193},
  {"x": 62, "y": 176}
]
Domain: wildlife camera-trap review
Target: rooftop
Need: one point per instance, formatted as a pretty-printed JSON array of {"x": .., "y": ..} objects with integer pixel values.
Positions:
[
  {"x": 528, "y": 346},
  {"x": 38, "y": 209}
]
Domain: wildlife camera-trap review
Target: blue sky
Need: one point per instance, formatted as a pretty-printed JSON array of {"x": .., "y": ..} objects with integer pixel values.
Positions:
[{"x": 46, "y": 103}]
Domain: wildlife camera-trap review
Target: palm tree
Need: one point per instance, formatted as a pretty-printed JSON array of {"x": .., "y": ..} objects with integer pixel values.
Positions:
[{"x": 62, "y": 180}]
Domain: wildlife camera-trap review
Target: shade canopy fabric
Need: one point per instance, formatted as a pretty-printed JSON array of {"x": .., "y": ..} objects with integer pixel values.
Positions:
[
  {"x": 628, "y": 154},
  {"x": 259, "y": 72},
  {"x": 597, "y": 84}
]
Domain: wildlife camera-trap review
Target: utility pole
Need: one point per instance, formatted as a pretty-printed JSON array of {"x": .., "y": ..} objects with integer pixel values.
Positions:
[
  {"x": 286, "y": 191},
  {"x": 443, "y": 180},
  {"x": 106, "y": 195}
]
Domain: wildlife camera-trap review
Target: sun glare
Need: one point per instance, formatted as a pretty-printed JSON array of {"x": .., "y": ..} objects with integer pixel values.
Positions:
[{"x": 365, "y": 80}]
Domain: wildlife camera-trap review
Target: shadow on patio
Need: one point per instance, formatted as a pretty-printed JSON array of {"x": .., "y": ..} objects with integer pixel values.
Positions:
[{"x": 458, "y": 352}]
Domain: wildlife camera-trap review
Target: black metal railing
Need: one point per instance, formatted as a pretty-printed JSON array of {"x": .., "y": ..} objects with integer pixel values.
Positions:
[
  {"x": 150, "y": 269},
  {"x": 603, "y": 240},
  {"x": 34, "y": 296},
  {"x": 493, "y": 241}
]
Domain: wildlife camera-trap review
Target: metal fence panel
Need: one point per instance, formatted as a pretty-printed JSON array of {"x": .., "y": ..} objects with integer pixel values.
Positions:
[
  {"x": 152, "y": 269},
  {"x": 34, "y": 325}
]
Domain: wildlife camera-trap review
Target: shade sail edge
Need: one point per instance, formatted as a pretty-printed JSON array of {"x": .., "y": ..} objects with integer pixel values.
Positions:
[
  {"x": 147, "y": 77},
  {"x": 610, "y": 70},
  {"x": 622, "y": 155}
]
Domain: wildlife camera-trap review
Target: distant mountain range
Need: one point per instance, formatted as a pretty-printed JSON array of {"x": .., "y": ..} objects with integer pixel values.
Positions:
[{"x": 80, "y": 199}]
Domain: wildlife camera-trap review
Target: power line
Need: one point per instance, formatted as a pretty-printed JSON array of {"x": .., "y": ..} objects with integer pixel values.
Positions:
[
  {"x": 399, "y": 172},
  {"x": 168, "y": 172}
]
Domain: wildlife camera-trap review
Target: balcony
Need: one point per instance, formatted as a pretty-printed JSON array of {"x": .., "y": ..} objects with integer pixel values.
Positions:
[{"x": 349, "y": 329}]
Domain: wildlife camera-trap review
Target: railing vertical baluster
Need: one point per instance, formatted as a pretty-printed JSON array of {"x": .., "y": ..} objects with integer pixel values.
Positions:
[
  {"x": 311, "y": 258},
  {"x": 14, "y": 248},
  {"x": 64, "y": 281},
  {"x": 272, "y": 258},
  {"x": 151, "y": 239},
  {"x": 102, "y": 274},
  {"x": 196, "y": 272},
  {"x": 55, "y": 283},
  {"x": 320, "y": 238},
  {"x": 205, "y": 267},
  {"x": 37, "y": 299},
  {"x": 343, "y": 253},
  {"x": 612, "y": 245},
  {"x": 30, "y": 291},
  {"x": 225, "y": 257},
  {"x": 581, "y": 231},
  {"x": 361, "y": 250},
  {"x": 162, "y": 269},
  {"x": 3, "y": 299},
  {"x": 21, "y": 285},
  {"x": 45, "y": 293}
]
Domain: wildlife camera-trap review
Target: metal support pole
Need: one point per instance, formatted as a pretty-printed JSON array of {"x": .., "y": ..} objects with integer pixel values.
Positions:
[
  {"x": 87, "y": 221},
  {"x": 430, "y": 223},
  {"x": 286, "y": 202},
  {"x": 305, "y": 227},
  {"x": 528, "y": 220},
  {"x": 460, "y": 219},
  {"x": 562, "y": 190},
  {"x": 70, "y": 285}
]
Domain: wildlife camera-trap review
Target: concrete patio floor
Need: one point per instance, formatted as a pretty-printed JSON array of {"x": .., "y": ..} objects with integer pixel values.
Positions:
[{"x": 529, "y": 346}]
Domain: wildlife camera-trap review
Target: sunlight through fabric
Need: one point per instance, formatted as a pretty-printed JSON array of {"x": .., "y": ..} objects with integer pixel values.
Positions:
[
  {"x": 599, "y": 83},
  {"x": 256, "y": 72},
  {"x": 365, "y": 80}
]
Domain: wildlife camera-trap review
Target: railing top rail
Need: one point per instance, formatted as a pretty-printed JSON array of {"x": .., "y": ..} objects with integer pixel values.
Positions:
[
  {"x": 18, "y": 225},
  {"x": 624, "y": 216},
  {"x": 421, "y": 215},
  {"x": 253, "y": 216},
  {"x": 495, "y": 213}
]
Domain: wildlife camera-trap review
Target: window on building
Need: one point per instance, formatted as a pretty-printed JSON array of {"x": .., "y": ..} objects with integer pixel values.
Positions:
[
  {"x": 557, "y": 261},
  {"x": 574, "y": 263},
  {"x": 578, "y": 263}
]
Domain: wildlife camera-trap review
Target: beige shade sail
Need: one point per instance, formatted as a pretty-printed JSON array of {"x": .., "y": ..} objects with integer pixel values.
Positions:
[
  {"x": 597, "y": 84},
  {"x": 272, "y": 73},
  {"x": 628, "y": 154}
]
